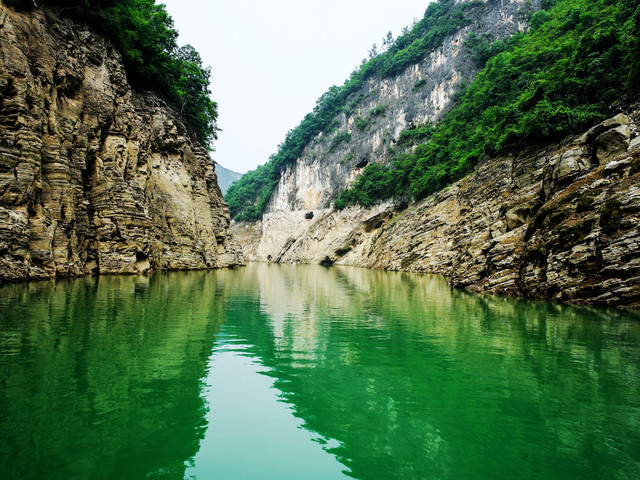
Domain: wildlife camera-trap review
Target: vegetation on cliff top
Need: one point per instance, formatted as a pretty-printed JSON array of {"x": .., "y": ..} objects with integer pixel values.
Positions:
[
  {"x": 143, "y": 33},
  {"x": 248, "y": 197},
  {"x": 559, "y": 78}
]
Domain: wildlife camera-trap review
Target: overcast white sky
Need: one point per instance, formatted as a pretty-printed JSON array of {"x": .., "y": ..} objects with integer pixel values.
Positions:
[{"x": 271, "y": 60}]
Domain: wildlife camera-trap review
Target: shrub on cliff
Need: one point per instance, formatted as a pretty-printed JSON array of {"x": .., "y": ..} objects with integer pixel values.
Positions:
[{"x": 143, "y": 33}]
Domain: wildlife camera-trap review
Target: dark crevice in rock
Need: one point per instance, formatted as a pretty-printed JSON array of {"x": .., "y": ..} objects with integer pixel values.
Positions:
[{"x": 326, "y": 262}]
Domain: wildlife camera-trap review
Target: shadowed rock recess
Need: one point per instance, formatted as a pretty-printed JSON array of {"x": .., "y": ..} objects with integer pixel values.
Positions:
[{"x": 94, "y": 176}]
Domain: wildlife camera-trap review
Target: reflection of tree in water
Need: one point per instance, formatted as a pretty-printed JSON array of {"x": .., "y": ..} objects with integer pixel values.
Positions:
[
  {"x": 404, "y": 371},
  {"x": 101, "y": 378}
]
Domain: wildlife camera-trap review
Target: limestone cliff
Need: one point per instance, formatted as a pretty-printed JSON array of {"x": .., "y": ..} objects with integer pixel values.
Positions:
[
  {"x": 559, "y": 223},
  {"x": 383, "y": 108},
  {"x": 94, "y": 176}
]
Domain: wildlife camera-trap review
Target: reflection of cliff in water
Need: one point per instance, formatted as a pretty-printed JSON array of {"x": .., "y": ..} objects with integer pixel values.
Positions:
[
  {"x": 400, "y": 369},
  {"x": 101, "y": 378},
  {"x": 104, "y": 378}
]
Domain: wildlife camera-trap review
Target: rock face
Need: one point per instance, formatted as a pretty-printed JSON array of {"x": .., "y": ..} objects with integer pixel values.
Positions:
[
  {"x": 95, "y": 177},
  {"x": 373, "y": 121},
  {"x": 560, "y": 223}
]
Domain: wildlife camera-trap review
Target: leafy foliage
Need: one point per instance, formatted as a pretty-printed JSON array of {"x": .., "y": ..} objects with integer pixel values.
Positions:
[
  {"x": 558, "y": 79},
  {"x": 412, "y": 136},
  {"x": 248, "y": 197},
  {"x": 418, "y": 84},
  {"x": 370, "y": 187},
  {"x": 340, "y": 137},
  {"x": 483, "y": 47},
  {"x": 144, "y": 35}
]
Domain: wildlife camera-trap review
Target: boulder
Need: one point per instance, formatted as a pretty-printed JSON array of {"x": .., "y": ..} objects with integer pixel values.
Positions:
[
  {"x": 594, "y": 132},
  {"x": 612, "y": 142},
  {"x": 521, "y": 214},
  {"x": 634, "y": 143},
  {"x": 564, "y": 168}
]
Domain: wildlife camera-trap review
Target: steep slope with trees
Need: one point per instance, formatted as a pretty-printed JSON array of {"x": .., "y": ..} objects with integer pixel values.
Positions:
[
  {"x": 412, "y": 82},
  {"x": 561, "y": 77},
  {"x": 437, "y": 169},
  {"x": 143, "y": 34}
]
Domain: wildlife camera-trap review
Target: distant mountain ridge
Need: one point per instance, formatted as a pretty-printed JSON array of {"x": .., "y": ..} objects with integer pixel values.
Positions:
[{"x": 226, "y": 177}]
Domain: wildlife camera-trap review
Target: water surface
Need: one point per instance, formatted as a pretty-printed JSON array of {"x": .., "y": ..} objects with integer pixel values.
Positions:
[{"x": 291, "y": 372}]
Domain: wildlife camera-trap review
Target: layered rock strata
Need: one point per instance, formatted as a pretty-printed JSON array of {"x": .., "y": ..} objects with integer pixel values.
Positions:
[
  {"x": 94, "y": 176},
  {"x": 560, "y": 223}
]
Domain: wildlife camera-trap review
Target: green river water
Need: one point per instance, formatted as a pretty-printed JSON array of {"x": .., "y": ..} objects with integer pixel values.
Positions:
[{"x": 307, "y": 372}]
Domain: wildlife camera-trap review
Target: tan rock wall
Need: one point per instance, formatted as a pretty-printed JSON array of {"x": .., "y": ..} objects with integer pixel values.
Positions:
[
  {"x": 94, "y": 176},
  {"x": 551, "y": 223}
]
